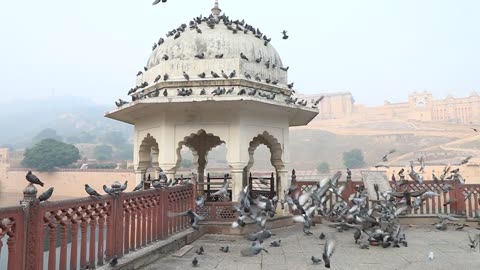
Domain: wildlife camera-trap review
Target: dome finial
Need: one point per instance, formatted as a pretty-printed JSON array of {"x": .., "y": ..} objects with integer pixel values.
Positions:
[{"x": 216, "y": 10}]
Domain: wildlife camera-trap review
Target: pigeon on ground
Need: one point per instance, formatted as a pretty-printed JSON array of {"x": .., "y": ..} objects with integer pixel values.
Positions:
[
  {"x": 316, "y": 260},
  {"x": 328, "y": 251},
  {"x": 195, "y": 262},
  {"x": 225, "y": 249},
  {"x": 200, "y": 251},
  {"x": 114, "y": 261},
  {"x": 276, "y": 243}
]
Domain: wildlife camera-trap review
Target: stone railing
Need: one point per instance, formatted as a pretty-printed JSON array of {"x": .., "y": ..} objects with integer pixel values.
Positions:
[
  {"x": 86, "y": 233},
  {"x": 457, "y": 205}
]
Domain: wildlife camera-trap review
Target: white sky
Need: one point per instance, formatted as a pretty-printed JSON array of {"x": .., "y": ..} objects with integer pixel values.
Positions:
[{"x": 377, "y": 49}]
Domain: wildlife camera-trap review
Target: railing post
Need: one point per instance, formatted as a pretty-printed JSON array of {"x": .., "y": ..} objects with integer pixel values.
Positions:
[
  {"x": 34, "y": 228},
  {"x": 118, "y": 224},
  {"x": 460, "y": 208},
  {"x": 272, "y": 186}
]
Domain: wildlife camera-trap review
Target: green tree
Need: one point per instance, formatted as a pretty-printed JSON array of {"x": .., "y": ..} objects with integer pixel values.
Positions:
[
  {"x": 47, "y": 133},
  {"x": 353, "y": 159},
  {"x": 323, "y": 167},
  {"x": 103, "y": 152},
  {"x": 50, "y": 153}
]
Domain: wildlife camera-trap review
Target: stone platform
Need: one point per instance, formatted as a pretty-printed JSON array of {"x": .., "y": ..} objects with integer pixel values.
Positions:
[{"x": 450, "y": 250}]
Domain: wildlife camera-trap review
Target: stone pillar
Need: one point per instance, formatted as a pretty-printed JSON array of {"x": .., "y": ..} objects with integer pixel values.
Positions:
[
  {"x": 282, "y": 184},
  {"x": 237, "y": 184},
  {"x": 139, "y": 173}
]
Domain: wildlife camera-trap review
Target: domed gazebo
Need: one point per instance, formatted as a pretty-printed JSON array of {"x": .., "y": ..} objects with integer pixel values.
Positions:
[{"x": 174, "y": 105}]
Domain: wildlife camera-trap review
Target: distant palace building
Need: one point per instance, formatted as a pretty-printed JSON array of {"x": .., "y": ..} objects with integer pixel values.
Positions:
[{"x": 419, "y": 107}]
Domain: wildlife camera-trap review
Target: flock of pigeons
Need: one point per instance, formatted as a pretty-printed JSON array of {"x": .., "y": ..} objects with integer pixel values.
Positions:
[
  {"x": 235, "y": 26},
  {"x": 374, "y": 222}
]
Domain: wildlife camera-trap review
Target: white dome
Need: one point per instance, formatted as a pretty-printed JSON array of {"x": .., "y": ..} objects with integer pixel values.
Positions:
[{"x": 219, "y": 40}]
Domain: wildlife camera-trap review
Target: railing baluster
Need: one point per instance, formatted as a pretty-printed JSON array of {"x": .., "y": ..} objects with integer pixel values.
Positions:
[
  {"x": 144, "y": 222},
  {"x": 63, "y": 245},
  {"x": 91, "y": 255},
  {"x": 138, "y": 214},
  {"x": 101, "y": 228},
  {"x": 73, "y": 249},
  {"x": 132, "y": 228},
  {"x": 52, "y": 238},
  {"x": 83, "y": 244},
  {"x": 12, "y": 252},
  {"x": 126, "y": 232}
]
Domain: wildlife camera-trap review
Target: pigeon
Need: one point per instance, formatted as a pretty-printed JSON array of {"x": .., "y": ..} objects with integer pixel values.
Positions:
[
  {"x": 219, "y": 56},
  {"x": 200, "y": 250},
  {"x": 200, "y": 201},
  {"x": 177, "y": 35},
  {"x": 46, "y": 195},
  {"x": 322, "y": 236},
  {"x": 290, "y": 86},
  {"x": 214, "y": 75},
  {"x": 194, "y": 218},
  {"x": 233, "y": 74},
  {"x": 247, "y": 76},
  {"x": 154, "y": 46},
  {"x": 33, "y": 179},
  {"x": 161, "y": 41},
  {"x": 242, "y": 92},
  {"x": 165, "y": 77},
  {"x": 257, "y": 78},
  {"x": 203, "y": 92},
  {"x": 139, "y": 73},
  {"x": 284, "y": 34},
  {"x": 284, "y": 68},
  {"x": 385, "y": 157},
  {"x": 252, "y": 250},
  {"x": 224, "y": 75},
  {"x": 156, "y": 2},
  {"x": 195, "y": 262},
  {"x": 316, "y": 260},
  {"x": 243, "y": 56},
  {"x": 165, "y": 93},
  {"x": 199, "y": 30},
  {"x": 328, "y": 251},
  {"x": 465, "y": 161},
  {"x": 92, "y": 192},
  {"x": 139, "y": 186},
  {"x": 200, "y": 55},
  {"x": 267, "y": 64},
  {"x": 225, "y": 249},
  {"x": 157, "y": 78},
  {"x": 124, "y": 186},
  {"x": 475, "y": 130},
  {"x": 276, "y": 243},
  {"x": 258, "y": 60},
  {"x": 186, "y": 76},
  {"x": 202, "y": 75},
  {"x": 108, "y": 190},
  {"x": 114, "y": 262},
  {"x": 474, "y": 242},
  {"x": 164, "y": 57}
]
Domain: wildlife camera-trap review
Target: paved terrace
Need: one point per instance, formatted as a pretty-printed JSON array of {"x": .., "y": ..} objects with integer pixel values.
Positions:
[{"x": 450, "y": 248}]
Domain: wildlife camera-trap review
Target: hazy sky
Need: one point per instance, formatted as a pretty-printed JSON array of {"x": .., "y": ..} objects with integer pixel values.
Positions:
[{"x": 379, "y": 50}]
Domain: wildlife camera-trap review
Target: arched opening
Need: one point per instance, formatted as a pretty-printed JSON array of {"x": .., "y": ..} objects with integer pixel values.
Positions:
[
  {"x": 148, "y": 156},
  {"x": 206, "y": 149},
  {"x": 255, "y": 173}
]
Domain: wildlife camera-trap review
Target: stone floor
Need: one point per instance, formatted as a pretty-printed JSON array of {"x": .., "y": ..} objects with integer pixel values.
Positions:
[{"x": 450, "y": 249}]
